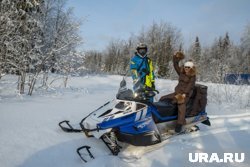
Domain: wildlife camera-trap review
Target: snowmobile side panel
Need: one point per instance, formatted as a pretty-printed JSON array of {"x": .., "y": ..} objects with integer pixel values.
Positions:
[
  {"x": 140, "y": 133},
  {"x": 110, "y": 122},
  {"x": 142, "y": 126},
  {"x": 142, "y": 139}
]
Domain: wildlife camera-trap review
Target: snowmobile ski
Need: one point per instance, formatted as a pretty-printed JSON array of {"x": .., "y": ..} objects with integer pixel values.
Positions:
[
  {"x": 66, "y": 127},
  {"x": 79, "y": 152}
]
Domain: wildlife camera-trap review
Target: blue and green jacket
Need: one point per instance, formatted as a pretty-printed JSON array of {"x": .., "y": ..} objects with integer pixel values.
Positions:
[{"x": 142, "y": 67}]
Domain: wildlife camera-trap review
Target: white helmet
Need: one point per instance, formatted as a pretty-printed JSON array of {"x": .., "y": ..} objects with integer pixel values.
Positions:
[{"x": 142, "y": 49}]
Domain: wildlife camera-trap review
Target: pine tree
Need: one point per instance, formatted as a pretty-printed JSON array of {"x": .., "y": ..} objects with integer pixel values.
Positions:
[
  {"x": 245, "y": 50},
  {"x": 196, "y": 51}
]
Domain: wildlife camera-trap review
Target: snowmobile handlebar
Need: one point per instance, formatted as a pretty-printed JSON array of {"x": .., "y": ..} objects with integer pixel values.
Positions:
[
  {"x": 151, "y": 89},
  {"x": 145, "y": 93}
]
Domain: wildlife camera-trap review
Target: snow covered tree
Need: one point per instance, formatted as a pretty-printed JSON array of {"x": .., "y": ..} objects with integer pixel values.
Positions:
[
  {"x": 222, "y": 58},
  {"x": 245, "y": 50},
  {"x": 117, "y": 57},
  {"x": 93, "y": 62},
  {"x": 111, "y": 57},
  {"x": 35, "y": 36},
  {"x": 20, "y": 34},
  {"x": 127, "y": 51},
  {"x": 163, "y": 40},
  {"x": 59, "y": 42},
  {"x": 195, "y": 51},
  {"x": 219, "y": 58}
]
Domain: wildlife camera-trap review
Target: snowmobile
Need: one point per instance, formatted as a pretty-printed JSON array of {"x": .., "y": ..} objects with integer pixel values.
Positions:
[{"x": 131, "y": 119}]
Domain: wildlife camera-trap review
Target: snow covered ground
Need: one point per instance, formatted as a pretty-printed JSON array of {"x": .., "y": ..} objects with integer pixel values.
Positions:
[{"x": 30, "y": 136}]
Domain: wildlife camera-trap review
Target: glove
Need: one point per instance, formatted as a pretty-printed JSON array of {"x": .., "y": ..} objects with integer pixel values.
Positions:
[
  {"x": 179, "y": 55},
  {"x": 180, "y": 98}
]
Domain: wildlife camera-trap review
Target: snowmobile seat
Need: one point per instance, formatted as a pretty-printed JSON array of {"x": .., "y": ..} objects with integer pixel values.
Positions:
[
  {"x": 166, "y": 108},
  {"x": 195, "y": 105}
]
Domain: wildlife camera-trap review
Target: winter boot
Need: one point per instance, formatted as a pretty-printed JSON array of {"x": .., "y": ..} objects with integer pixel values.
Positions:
[{"x": 178, "y": 128}]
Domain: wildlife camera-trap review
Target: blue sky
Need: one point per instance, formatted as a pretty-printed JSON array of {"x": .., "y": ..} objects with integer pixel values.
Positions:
[{"x": 117, "y": 19}]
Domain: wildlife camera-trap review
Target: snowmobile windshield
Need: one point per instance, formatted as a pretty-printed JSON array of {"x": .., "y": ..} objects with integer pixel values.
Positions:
[
  {"x": 143, "y": 93},
  {"x": 127, "y": 94},
  {"x": 124, "y": 93},
  {"x": 139, "y": 91}
]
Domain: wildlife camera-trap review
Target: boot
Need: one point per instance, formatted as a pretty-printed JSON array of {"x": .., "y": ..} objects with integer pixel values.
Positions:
[{"x": 178, "y": 128}]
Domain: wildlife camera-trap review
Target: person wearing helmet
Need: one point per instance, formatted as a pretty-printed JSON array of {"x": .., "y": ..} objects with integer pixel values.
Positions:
[
  {"x": 142, "y": 67},
  {"x": 184, "y": 88}
]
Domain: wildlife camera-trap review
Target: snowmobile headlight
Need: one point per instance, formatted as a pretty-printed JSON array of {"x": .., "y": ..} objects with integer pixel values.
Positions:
[{"x": 136, "y": 94}]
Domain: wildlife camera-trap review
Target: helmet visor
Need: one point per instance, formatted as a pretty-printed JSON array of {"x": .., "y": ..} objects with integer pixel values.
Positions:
[{"x": 142, "y": 51}]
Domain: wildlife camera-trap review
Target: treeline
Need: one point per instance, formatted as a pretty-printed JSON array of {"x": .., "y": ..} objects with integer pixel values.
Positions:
[
  {"x": 163, "y": 39},
  {"x": 37, "y": 37}
]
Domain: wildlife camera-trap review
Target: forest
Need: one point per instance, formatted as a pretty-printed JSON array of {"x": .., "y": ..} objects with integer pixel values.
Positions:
[{"x": 41, "y": 37}]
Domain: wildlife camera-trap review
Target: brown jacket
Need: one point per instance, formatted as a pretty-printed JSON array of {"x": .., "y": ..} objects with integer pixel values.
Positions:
[{"x": 186, "y": 81}]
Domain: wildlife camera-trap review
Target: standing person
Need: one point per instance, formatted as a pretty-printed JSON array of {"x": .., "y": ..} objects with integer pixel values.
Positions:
[
  {"x": 142, "y": 67},
  {"x": 184, "y": 88}
]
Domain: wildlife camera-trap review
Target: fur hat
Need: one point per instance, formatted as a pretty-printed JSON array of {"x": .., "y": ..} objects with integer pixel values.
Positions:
[
  {"x": 192, "y": 71},
  {"x": 189, "y": 64}
]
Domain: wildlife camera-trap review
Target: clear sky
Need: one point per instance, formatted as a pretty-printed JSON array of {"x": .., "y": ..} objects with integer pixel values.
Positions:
[{"x": 117, "y": 19}]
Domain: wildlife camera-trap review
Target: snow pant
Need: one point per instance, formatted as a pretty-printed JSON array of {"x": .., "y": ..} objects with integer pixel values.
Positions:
[
  {"x": 181, "y": 114},
  {"x": 181, "y": 104}
]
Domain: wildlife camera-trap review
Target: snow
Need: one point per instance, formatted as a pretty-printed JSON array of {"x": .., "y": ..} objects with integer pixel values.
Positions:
[{"x": 30, "y": 136}]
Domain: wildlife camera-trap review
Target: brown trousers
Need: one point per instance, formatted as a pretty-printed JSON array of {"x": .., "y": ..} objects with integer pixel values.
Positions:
[{"x": 181, "y": 106}]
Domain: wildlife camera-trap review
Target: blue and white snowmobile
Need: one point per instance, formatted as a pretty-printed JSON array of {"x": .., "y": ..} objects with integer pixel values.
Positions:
[{"x": 130, "y": 119}]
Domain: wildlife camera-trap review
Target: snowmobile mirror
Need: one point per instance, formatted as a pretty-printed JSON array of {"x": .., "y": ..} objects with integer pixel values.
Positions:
[{"x": 123, "y": 83}]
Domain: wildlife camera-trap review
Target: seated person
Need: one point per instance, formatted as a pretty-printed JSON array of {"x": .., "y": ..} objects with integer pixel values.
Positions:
[{"x": 184, "y": 88}]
